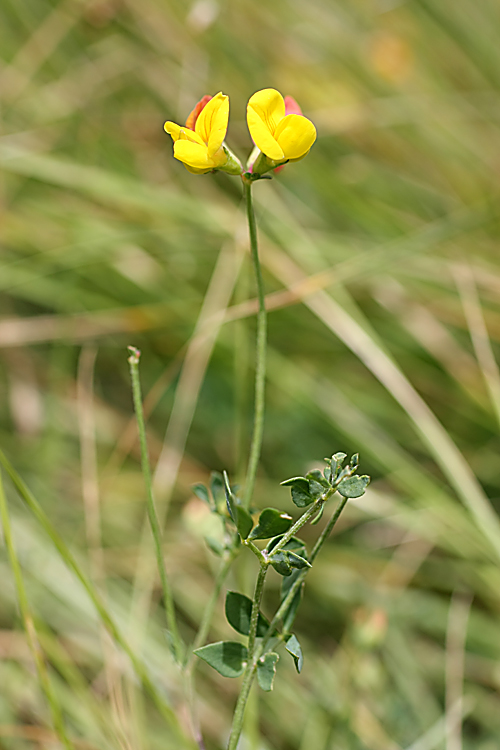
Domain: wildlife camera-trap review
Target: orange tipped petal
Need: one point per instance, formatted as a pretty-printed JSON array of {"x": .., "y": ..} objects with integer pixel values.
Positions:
[
  {"x": 193, "y": 116},
  {"x": 291, "y": 106}
]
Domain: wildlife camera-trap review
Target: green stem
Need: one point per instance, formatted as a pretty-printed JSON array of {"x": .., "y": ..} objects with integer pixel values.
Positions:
[
  {"x": 304, "y": 518},
  {"x": 201, "y": 635},
  {"x": 29, "y": 626},
  {"x": 168, "y": 714},
  {"x": 248, "y": 675},
  {"x": 177, "y": 643},
  {"x": 300, "y": 579},
  {"x": 260, "y": 368}
]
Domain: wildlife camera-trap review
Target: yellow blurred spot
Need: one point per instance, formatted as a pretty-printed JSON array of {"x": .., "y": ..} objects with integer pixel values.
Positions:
[{"x": 390, "y": 56}]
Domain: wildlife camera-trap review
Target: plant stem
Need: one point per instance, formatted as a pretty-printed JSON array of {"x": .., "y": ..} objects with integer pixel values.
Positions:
[
  {"x": 304, "y": 518},
  {"x": 300, "y": 579},
  {"x": 328, "y": 529},
  {"x": 246, "y": 684},
  {"x": 260, "y": 368},
  {"x": 165, "y": 710},
  {"x": 29, "y": 626},
  {"x": 177, "y": 643}
]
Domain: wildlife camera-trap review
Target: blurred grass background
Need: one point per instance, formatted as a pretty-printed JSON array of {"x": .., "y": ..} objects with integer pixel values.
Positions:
[{"x": 380, "y": 256}]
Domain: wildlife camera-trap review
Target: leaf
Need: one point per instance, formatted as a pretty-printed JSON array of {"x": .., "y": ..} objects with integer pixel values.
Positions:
[
  {"x": 354, "y": 462},
  {"x": 301, "y": 498},
  {"x": 296, "y": 561},
  {"x": 281, "y": 563},
  {"x": 266, "y": 670},
  {"x": 337, "y": 462},
  {"x": 241, "y": 517},
  {"x": 353, "y": 486},
  {"x": 286, "y": 585},
  {"x": 300, "y": 491},
  {"x": 216, "y": 485},
  {"x": 215, "y": 546},
  {"x": 202, "y": 492},
  {"x": 295, "y": 480},
  {"x": 271, "y": 523},
  {"x": 317, "y": 518},
  {"x": 318, "y": 477},
  {"x": 229, "y": 658},
  {"x": 293, "y": 647},
  {"x": 290, "y": 614},
  {"x": 315, "y": 489},
  {"x": 239, "y": 612}
]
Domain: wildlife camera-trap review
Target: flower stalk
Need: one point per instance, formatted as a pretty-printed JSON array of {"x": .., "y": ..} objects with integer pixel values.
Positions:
[{"x": 260, "y": 368}]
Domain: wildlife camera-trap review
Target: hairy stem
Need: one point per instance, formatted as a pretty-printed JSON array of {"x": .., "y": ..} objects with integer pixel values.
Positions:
[
  {"x": 249, "y": 672},
  {"x": 260, "y": 368}
]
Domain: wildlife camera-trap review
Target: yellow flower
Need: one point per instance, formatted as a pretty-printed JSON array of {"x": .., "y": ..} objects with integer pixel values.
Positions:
[
  {"x": 279, "y": 136},
  {"x": 201, "y": 148}
]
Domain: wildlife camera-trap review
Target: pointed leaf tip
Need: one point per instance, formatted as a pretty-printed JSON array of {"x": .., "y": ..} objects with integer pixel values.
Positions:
[{"x": 228, "y": 658}]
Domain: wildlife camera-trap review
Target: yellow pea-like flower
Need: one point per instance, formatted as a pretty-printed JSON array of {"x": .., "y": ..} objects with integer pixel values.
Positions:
[
  {"x": 199, "y": 144},
  {"x": 280, "y": 136}
]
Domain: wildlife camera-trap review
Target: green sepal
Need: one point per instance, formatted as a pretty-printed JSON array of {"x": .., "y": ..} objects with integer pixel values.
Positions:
[
  {"x": 241, "y": 517},
  {"x": 238, "y": 614},
  {"x": 292, "y": 645},
  {"x": 271, "y": 523},
  {"x": 353, "y": 486},
  {"x": 228, "y": 658},
  {"x": 266, "y": 670}
]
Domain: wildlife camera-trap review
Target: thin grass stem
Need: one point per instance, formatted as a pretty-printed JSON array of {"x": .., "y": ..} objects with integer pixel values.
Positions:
[
  {"x": 29, "y": 626},
  {"x": 177, "y": 644},
  {"x": 28, "y": 498}
]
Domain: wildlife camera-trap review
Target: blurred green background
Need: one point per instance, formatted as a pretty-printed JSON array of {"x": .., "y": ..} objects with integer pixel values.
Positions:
[{"x": 380, "y": 258}]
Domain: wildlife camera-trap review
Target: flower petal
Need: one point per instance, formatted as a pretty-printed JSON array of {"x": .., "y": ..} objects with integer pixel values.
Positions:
[
  {"x": 262, "y": 137},
  {"x": 193, "y": 116},
  {"x": 193, "y": 155},
  {"x": 212, "y": 121},
  {"x": 189, "y": 135},
  {"x": 291, "y": 106},
  {"x": 295, "y": 135},
  {"x": 270, "y": 106},
  {"x": 172, "y": 129}
]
